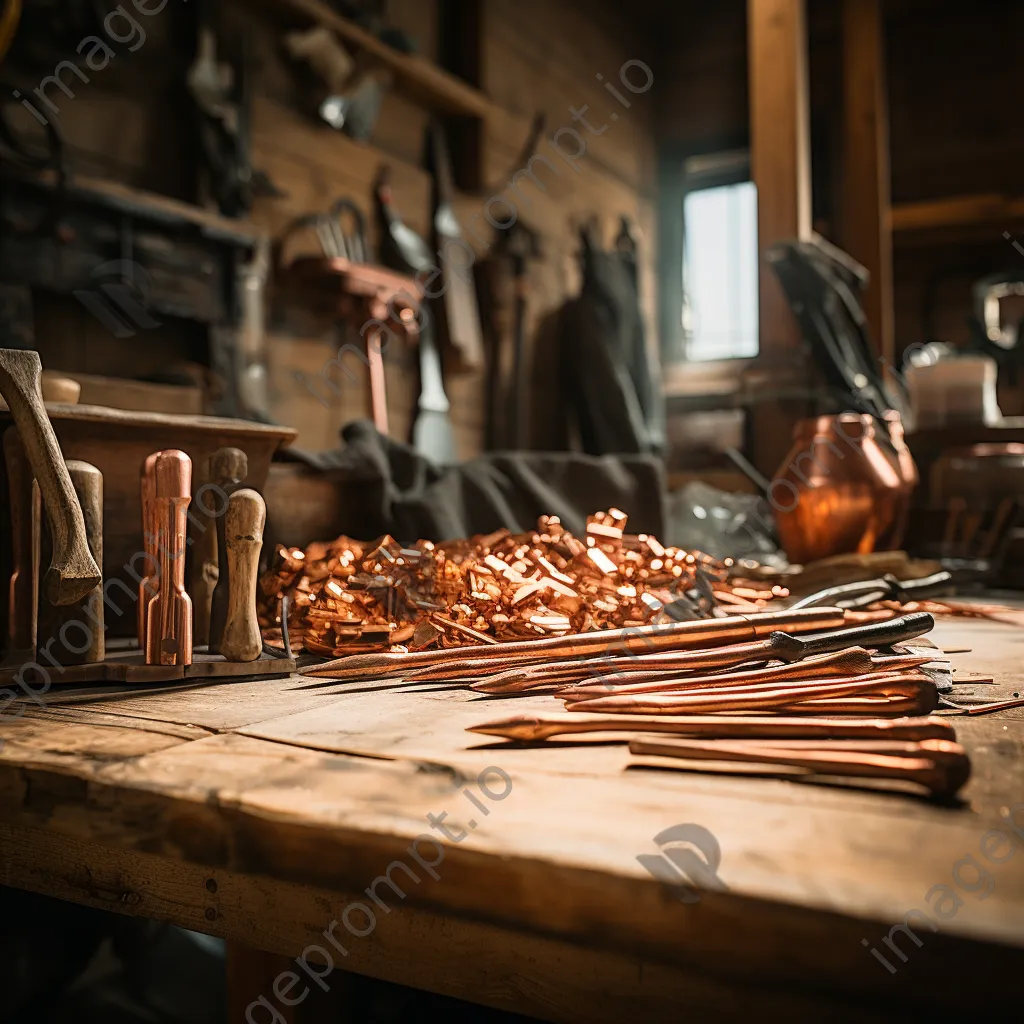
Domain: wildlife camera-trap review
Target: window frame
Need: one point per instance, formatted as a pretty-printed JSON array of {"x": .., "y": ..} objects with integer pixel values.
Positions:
[{"x": 682, "y": 174}]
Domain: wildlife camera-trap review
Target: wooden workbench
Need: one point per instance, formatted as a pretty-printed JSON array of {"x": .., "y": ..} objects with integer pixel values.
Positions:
[{"x": 260, "y": 811}]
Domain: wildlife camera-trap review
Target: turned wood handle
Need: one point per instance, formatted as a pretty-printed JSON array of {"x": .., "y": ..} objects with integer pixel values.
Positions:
[
  {"x": 74, "y": 633},
  {"x": 228, "y": 469},
  {"x": 243, "y": 526},
  {"x": 25, "y": 525},
  {"x": 73, "y": 571}
]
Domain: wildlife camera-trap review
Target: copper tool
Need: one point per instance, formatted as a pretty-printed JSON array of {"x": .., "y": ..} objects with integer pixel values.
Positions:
[
  {"x": 23, "y": 597},
  {"x": 913, "y": 686},
  {"x": 679, "y": 635},
  {"x": 169, "y": 614},
  {"x": 244, "y": 522},
  {"x": 779, "y": 646},
  {"x": 150, "y": 539},
  {"x": 532, "y": 728},
  {"x": 228, "y": 469},
  {"x": 73, "y": 571},
  {"x": 856, "y": 662},
  {"x": 73, "y": 634},
  {"x": 939, "y": 766}
]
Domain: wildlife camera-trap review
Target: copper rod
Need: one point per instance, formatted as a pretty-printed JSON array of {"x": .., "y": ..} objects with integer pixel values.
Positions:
[
  {"x": 169, "y": 621},
  {"x": 854, "y": 663},
  {"x": 728, "y": 685},
  {"x": 777, "y": 645},
  {"x": 378, "y": 381},
  {"x": 532, "y": 728},
  {"x": 754, "y": 699},
  {"x": 674, "y": 635},
  {"x": 942, "y": 768}
]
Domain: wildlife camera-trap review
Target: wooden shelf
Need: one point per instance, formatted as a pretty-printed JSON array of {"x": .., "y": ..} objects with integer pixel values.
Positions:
[
  {"x": 958, "y": 212},
  {"x": 416, "y": 77}
]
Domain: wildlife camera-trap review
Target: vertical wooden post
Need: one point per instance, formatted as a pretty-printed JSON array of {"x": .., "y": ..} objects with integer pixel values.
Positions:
[
  {"x": 866, "y": 228},
  {"x": 781, "y": 168}
]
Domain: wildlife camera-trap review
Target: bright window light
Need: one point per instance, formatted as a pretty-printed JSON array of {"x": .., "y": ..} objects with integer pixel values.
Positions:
[{"x": 720, "y": 272}]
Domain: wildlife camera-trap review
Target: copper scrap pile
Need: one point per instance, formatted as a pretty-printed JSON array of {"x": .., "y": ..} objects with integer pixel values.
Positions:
[{"x": 349, "y": 596}]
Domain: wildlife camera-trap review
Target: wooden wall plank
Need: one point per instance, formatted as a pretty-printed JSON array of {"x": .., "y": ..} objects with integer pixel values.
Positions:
[{"x": 866, "y": 213}]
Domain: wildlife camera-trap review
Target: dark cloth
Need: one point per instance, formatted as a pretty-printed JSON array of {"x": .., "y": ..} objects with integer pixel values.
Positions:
[
  {"x": 605, "y": 367},
  {"x": 387, "y": 487}
]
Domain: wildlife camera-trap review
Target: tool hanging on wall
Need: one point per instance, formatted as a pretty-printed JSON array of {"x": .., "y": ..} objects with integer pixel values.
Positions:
[
  {"x": 510, "y": 378},
  {"x": 169, "y": 613},
  {"x": 73, "y": 634},
  {"x": 402, "y": 248},
  {"x": 244, "y": 521},
  {"x": 457, "y": 312},
  {"x": 378, "y": 301},
  {"x": 228, "y": 469},
  {"x": 605, "y": 364}
]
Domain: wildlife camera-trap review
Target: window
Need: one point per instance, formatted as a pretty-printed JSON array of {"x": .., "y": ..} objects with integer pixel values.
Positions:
[{"x": 720, "y": 262}]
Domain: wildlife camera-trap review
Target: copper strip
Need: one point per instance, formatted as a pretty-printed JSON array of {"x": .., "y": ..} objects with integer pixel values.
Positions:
[
  {"x": 532, "y": 728},
  {"x": 754, "y": 699},
  {"x": 854, "y": 662},
  {"x": 940, "y": 767}
]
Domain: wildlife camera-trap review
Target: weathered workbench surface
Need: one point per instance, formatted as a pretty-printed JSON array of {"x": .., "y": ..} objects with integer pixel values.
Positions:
[{"x": 262, "y": 811}]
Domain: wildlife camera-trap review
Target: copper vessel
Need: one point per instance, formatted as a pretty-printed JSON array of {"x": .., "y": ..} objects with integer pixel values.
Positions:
[{"x": 836, "y": 492}]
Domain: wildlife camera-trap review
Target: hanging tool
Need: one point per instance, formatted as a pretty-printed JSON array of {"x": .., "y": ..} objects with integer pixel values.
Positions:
[
  {"x": 403, "y": 249},
  {"x": 245, "y": 518},
  {"x": 25, "y": 532},
  {"x": 349, "y": 244},
  {"x": 228, "y": 469},
  {"x": 520, "y": 244},
  {"x": 73, "y": 634},
  {"x": 73, "y": 571},
  {"x": 458, "y": 313},
  {"x": 169, "y": 613}
]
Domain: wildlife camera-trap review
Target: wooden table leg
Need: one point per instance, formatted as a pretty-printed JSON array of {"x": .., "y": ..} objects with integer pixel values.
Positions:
[{"x": 260, "y": 985}]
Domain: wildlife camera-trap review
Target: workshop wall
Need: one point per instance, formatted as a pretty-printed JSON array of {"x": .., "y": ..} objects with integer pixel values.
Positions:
[
  {"x": 535, "y": 56},
  {"x": 134, "y": 123}
]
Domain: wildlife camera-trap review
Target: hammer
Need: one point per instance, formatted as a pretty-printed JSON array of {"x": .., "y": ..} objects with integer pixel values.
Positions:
[{"x": 73, "y": 571}]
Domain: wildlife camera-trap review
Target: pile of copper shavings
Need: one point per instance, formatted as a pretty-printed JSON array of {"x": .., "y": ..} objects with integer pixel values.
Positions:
[{"x": 349, "y": 596}]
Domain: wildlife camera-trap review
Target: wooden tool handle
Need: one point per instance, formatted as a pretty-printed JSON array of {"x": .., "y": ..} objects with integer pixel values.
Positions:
[
  {"x": 73, "y": 571},
  {"x": 228, "y": 469},
  {"x": 24, "y": 588},
  {"x": 244, "y": 522}
]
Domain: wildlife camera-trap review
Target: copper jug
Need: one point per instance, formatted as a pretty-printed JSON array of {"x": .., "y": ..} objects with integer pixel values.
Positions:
[{"x": 836, "y": 492}]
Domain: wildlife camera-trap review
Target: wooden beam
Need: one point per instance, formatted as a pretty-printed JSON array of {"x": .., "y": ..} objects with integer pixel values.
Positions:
[
  {"x": 866, "y": 208},
  {"x": 781, "y": 167},
  {"x": 958, "y": 212}
]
